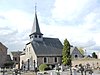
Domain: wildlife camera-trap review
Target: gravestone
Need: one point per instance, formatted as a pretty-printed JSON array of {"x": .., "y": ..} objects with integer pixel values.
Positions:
[
  {"x": 53, "y": 73},
  {"x": 74, "y": 72}
]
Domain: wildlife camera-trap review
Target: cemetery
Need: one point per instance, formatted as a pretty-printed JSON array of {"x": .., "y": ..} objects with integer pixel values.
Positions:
[
  {"x": 80, "y": 69},
  {"x": 47, "y": 55}
]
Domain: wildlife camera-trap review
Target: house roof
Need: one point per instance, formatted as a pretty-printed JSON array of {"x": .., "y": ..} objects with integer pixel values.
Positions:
[
  {"x": 71, "y": 49},
  {"x": 17, "y": 53},
  {"x": 3, "y": 45},
  {"x": 74, "y": 48},
  {"x": 48, "y": 47}
]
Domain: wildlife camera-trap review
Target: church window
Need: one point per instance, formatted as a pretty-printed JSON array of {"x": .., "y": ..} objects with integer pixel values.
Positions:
[
  {"x": 76, "y": 56},
  {"x": 39, "y": 36},
  {"x": 29, "y": 49},
  {"x": 22, "y": 62},
  {"x": 28, "y": 64},
  {"x": 55, "y": 59},
  {"x": 15, "y": 58},
  {"x": 35, "y": 36},
  {"x": 31, "y": 36},
  {"x": 45, "y": 59}
]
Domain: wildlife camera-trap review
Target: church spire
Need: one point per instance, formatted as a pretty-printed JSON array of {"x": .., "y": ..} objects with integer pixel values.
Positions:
[
  {"x": 36, "y": 29},
  {"x": 35, "y": 8}
]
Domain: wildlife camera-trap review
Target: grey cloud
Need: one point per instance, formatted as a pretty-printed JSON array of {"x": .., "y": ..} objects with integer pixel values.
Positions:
[
  {"x": 17, "y": 42},
  {"x": 92, "y": 49},
  {"x": 19, "y": 45},
  {"x": 97, "y": 48},
  {"x": 13, "y": 39},
  {"x": 85, "y": 44},
  {"x": 2, "y": 17},
  {"x": 8, "y": 36},
  {"x": 90, "y": 46},
  {"x": 13, "y": 33},
  {"x": 95, "y": 29},
  {"x": 9, "y": 33},
  {"x": 4, "y": 28},
  {"x": 90, "y": 43}
]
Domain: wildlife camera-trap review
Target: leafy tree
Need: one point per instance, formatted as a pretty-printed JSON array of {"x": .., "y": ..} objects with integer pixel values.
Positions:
[
  {"x": 94, "y": 55},
  {"x": 66, "y": 57},
  {"x": 81, "y": 50},
  {"x": 43, "y": 67}
]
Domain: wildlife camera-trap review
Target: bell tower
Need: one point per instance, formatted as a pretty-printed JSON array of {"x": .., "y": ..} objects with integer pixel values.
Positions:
[{"x": 36, "y": 34}]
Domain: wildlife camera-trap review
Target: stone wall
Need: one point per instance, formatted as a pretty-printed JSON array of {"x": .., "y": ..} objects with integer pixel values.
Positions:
[
  {"x": 93, "y": 62},
  {"x": 50, "y": 60},
  {"x": 3, "y": 54}
]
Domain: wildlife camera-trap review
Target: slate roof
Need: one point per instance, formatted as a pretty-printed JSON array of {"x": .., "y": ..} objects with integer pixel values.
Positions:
[
  {"x": 71, "y": 49},
  {"x": 74, "y": 48},
  {"x": 36, "y": 28},
  {"x": 48, "y": 47}
]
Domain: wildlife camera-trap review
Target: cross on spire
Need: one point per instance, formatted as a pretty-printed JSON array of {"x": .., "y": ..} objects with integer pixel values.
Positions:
[
  {"x": 36, "y": 28},
  {"x": 35, "y": 8}
]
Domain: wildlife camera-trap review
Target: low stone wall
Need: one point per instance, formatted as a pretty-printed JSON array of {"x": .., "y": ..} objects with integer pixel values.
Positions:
[{"x": 93, "y": 62}]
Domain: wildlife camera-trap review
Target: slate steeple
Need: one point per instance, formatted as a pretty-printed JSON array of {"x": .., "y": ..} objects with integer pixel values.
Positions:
[
  {"x": 36, "y": 28},
  {"x": 36, "y": 33}
]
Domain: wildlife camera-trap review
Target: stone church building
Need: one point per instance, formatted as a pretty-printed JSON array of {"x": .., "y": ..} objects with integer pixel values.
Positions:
[{"x": 40, "y": 49}]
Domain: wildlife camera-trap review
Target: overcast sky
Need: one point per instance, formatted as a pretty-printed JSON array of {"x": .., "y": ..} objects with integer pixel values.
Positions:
[{"x": 76, "y": 20}]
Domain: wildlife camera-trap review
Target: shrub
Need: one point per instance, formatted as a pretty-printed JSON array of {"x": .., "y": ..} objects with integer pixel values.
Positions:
[
  {"x": 8, "y": 64},
  {"x": 43, "y": 67}
]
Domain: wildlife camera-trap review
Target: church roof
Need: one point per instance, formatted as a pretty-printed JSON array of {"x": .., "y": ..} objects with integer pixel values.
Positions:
[
  {"x": 36, "y": 28},
  {"x": 48, "y": 47}
]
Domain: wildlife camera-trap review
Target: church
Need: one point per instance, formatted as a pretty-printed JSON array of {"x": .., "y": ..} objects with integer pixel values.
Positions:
[
  {"x": 40, "y": 50},
  {"x": 43, "y": 50}
]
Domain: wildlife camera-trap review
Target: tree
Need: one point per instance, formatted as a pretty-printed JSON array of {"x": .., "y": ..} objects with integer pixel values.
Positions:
[
  {"x": 43, "y": 67},
  {"x": 94, "y": 55},
  {"x": 66, "y": 57}
]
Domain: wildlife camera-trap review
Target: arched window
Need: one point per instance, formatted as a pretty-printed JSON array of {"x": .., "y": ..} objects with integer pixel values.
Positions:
[
  {"x": 45, "y": 59},
  {"x": 28, "y": 64},
  {"x": 76, "y": 56},
  {"x": 55, "y": 59},
  {"x": 39, "y": 36},
  {"x": 35, "y": 36}
]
